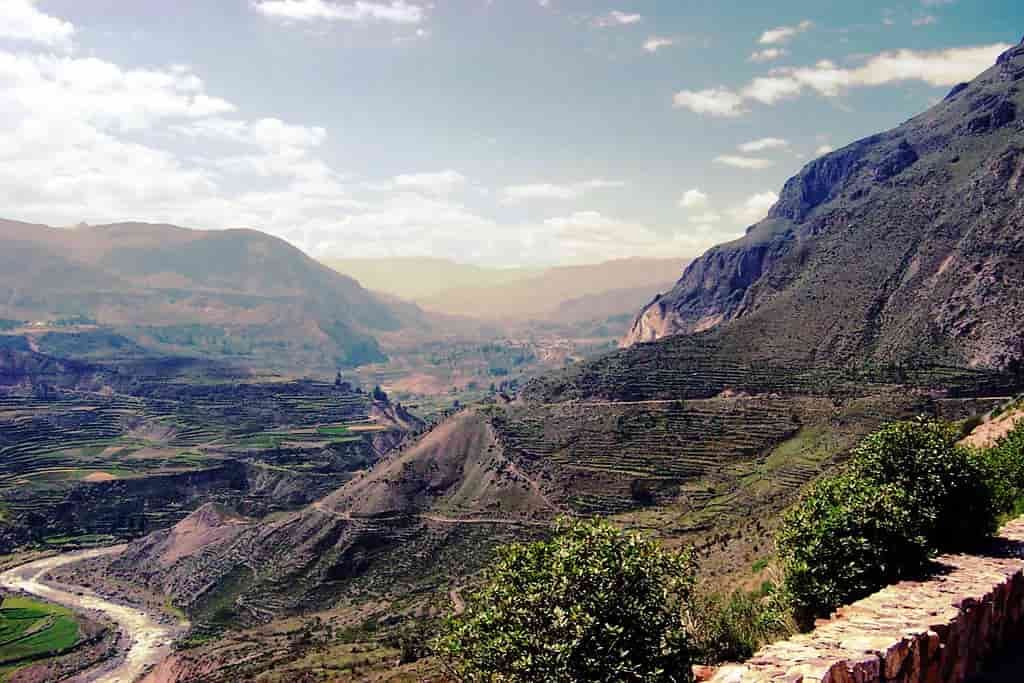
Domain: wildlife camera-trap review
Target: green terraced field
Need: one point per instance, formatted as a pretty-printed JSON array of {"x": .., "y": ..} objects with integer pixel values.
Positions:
[
  {"x": 30, "y": 629},
  {"x": 76, "y": 463}
]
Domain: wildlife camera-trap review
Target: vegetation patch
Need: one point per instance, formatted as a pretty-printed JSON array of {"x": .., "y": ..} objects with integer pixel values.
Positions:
[
  {"x": 32, "y": 630},
  {"x": 590, "y": 604},
  {"x": 910, "y": 492}
]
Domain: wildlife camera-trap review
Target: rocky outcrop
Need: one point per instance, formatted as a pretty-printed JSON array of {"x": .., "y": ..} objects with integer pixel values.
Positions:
[
  {"x": 713, "y": 287},
  {"x": 902, "y": 247},
  {"x": 941, "y": 630}
]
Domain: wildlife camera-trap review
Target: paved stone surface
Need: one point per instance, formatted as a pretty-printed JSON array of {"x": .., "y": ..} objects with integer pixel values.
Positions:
[{"x": 942, "y": 630}]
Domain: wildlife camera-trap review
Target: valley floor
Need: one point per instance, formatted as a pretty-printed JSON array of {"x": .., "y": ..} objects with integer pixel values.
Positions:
[{"x": 148, "y": 638}]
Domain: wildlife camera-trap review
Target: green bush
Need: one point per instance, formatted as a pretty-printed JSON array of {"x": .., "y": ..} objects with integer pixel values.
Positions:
[
  {"x": 946, "y": 486},
  {"x": 909, "y": 492},
  {"x": 590, "y": 604},
  {"x": 1004, "y": 467},
  {"x": 731, "y": 628},
  {"x": 845, "y": 539}
]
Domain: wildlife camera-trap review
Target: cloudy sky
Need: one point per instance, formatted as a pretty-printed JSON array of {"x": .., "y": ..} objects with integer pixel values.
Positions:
[{"x": 499, "y": 132}]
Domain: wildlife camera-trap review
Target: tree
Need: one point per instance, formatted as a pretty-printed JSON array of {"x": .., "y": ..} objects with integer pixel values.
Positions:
[
  {"x": 379, "y": 395},
  {"x": 590, "y": 604}
]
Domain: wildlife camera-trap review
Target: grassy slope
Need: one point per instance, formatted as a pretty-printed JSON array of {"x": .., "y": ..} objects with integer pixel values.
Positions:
[{"x": 31, "y": 629}]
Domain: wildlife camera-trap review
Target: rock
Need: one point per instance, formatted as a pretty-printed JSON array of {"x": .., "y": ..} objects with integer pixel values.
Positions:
[
  {"x": 957, "y": 89},
  {"x": 896, "y": 162}
]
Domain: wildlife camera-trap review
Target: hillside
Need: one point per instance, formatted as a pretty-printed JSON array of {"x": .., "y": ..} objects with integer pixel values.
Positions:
[
  {"x": 451, "y": 497},
  {"x": 230, "y": 293},
  {"x": 905, "y": 245},
  {"x": 611, "y": 288}
]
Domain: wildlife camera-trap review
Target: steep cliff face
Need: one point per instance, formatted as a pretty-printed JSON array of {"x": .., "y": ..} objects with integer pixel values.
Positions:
[{"x": 904, "y": 243}]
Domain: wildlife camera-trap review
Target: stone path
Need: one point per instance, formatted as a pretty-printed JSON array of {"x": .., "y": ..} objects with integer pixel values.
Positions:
[{"x": 941, "y": 630}]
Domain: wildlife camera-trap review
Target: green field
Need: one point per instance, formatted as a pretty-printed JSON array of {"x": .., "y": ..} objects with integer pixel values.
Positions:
[
  {"x": 339, "y": 430},
  {"x": 31, "y": 630}
]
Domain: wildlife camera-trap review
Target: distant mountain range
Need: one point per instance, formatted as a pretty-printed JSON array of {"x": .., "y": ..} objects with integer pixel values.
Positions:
[
  {"x": 610, "y": 288},
  {"x": 236, "y": 293},
  {"x": 907, "y": 245}
]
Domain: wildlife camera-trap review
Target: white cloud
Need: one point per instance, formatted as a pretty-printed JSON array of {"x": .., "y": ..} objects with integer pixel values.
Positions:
[
  {"x": 771, "y": 89},
  {"x": 713, "y": 102},
  {"x": 823, "y": 150},
  {"x": 103, "y": 93},
  {"x": 21, "y": 20},
  {"x": 617, "y": 18},
  {"x": 518, "y": 193},
  {"x": 269, "y": 133},
  {"x": 783, "y": 34},
  {"x": 754, "y": 208},
  {"x": 693, "y": 199},
  {"x": 706, "y": 218},
  {"x": 654, "y": 43},
  {"x": 768, "y": 54},
  {"x": 939, "y": 68},
  {"x": 762, "y": 145},
  {"x": 749, "y": 163},
  {"x": 926, "y": 20},
  {"x": 397, "y": 12},
  {"x": 441, "y": 182}
]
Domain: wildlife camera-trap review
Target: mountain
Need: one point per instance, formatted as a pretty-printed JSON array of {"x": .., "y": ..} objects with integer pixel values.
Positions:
[
  {"x": 416, "y": 279},
  {"x": 905, "y": 245},
  {"x": 875, "y": 291},
  {"x": 612, "y": 303},
  {"x": 561, "y": 293},
  {"x": 541, "y": 296},
  {"x": 238, "y": 293}
]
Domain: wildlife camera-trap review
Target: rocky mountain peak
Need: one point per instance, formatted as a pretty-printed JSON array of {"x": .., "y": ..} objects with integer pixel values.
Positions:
[{"x": 906, "y": 242}]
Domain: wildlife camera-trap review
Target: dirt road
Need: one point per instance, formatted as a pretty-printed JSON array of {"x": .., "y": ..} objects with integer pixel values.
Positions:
[{"x": 148, "y": 640}]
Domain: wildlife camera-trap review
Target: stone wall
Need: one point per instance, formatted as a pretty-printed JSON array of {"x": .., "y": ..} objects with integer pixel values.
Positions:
[{"x": 941, "y": 630}]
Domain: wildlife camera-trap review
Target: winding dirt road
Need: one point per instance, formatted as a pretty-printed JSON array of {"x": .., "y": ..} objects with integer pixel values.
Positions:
[{"x": 149, "y": 640}]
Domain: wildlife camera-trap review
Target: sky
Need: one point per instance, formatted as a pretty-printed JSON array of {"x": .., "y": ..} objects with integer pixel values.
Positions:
[{"x": 494, "y": 132}]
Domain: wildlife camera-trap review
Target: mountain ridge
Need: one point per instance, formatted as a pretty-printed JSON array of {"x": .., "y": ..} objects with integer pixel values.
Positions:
[
  {"x": 167, "y": 286},
  {"x": 911, "y": 236}
]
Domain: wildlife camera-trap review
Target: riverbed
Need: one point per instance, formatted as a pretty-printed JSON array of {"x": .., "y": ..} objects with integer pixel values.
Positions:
[{"x": 149, "y": 641}]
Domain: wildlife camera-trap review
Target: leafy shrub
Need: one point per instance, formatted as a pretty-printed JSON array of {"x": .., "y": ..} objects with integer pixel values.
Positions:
[
  {"x": 845, "y": 539},
  {"x": 731, "y": 628},
  {"x": 910, "y": 491},
  {"x": 589, "y": 604},
  {"x": 946, "y": 486},
  {"x": 1004, "y": 467}
]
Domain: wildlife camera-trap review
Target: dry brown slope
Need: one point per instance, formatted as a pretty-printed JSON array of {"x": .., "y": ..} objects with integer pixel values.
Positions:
[{"x": 435, "y": 508}]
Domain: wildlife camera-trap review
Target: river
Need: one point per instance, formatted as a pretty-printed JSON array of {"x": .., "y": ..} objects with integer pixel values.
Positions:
[{"x": 149, "y": 640}]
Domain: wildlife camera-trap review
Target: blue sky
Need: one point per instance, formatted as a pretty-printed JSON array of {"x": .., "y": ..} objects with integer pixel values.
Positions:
[{"x": 501, "y": 132}]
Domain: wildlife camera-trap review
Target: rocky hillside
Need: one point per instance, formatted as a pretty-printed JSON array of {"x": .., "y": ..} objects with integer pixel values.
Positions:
[
  {"x": 436, "y": 507},
  {"x": 904, "y": 245},
  {"x": 222, "y": 293}
]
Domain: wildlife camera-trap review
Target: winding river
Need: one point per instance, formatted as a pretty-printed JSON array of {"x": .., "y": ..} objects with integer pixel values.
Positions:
[{"x": 149, "y": 641}]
